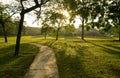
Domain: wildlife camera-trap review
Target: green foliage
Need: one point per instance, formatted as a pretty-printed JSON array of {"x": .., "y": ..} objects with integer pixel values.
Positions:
[
  {"x": 113, "y": 27},
  {"x": 67, "y": 30},
  {"x": 57, "y": 18},
  {"x": 84, "y": 12},
  {"x": 69, "y": 4},
  {"x": 11, "y": 28},
  {"x": 90, "y": 10},
  {"x": 47, "y": 30},
  {"x": 6, "y": 22}
]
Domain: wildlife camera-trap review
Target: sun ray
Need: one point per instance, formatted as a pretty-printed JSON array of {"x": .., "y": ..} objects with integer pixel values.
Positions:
[{"x": 67, "y": 15}]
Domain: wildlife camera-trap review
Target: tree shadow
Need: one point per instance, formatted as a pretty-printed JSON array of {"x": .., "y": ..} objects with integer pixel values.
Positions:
[
  {"x": 114, "y": 41},
  {"x": 12, "y": 66},
  {"x": 71, "y": 66},
  {"x": 107, "y": 49},
  {"x": 112, "y": 49},
  {"x": 115, "y": 70},
  {"x": 51, "y": 43},
  {"x": 114, "y": 46},
  {"x": 6, "y": 54}
]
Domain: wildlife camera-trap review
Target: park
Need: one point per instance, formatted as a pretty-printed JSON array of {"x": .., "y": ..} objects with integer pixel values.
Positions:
[{"x": 82, "y": 37}]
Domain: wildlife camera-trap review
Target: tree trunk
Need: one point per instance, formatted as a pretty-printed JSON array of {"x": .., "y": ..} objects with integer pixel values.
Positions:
[
  {"x": 4, "y": 33},
  {"x": 82, "y": 35},
  {"x": 119, "y": 36},
  {"x": 45, "y": 34},
  {"x": 19, "y": 34},
  {"x": 57, "y": 34}
]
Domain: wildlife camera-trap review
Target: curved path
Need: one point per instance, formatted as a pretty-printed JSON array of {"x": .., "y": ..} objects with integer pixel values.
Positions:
[{"x": 44, "y": 64}]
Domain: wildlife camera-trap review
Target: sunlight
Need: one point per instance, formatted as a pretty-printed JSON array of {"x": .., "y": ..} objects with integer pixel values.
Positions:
[
  {"x": 77, "y": 22},
  {"x": 66, "y": 14},
  {"x": 7, "y": 1}
]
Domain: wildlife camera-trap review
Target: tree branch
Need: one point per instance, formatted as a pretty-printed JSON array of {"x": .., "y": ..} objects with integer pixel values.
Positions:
[
  {"x": 22, "y": 4},
  {"x": 36, "y": 2},
  {"x": 36, "y": 6},
  {"x": 9, "y": 17}
]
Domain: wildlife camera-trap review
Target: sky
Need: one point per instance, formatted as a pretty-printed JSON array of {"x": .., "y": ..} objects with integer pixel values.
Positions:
[
  {"x": 29, "y": 19},
  {"x": 77, "y": 22},
  {"x": 7, "y": 1}
]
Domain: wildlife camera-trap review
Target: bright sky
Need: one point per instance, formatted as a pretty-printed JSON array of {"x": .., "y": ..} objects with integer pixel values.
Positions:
[
  {"x": 30, "y": 19},
  {"x": 77, "y": 22},
  {"x": 7, "y": 1}
]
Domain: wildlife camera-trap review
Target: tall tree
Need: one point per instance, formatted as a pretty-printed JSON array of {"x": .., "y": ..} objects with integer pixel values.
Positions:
[
  {"x": 25, "y": 10},
  {"x": 84, "y": 12},
  {"x": 45, "y": 30}
]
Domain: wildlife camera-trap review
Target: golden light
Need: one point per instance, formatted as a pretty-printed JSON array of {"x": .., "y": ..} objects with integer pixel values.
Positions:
[{"x": 67, "y": 15}]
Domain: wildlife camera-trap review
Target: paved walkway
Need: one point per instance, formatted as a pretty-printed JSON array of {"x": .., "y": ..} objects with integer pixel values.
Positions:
[{"x": 44, "y": 64}]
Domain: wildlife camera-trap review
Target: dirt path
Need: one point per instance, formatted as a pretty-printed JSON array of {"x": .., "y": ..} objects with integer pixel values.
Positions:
[{"x": 44, "y": 64}]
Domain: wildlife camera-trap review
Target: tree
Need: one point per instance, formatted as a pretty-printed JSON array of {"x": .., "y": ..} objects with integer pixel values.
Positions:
[
  {"x": 46, "y": 25},
  {"x": 68, "y": 30},
  {"x": 110, "y": 17},
  {"x": 47, "y": 30},
  {"x": 84, "y": 12},
  {"x": 58, "y": 20},
  {"x": 25, "y": 10},
  {"x": 11, "y": 28},
  {"x": 5, "y": 15},
  {"x": 79, "y": 8},
  {"x": 91, "y": 10},
  {"x": 56, "y": 17},
  {"x": 114, "y": 15}
]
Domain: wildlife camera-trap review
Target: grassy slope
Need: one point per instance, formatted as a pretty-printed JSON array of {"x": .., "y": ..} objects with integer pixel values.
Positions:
[
  {"x": 15, "y": 67},
  {"x": 93, "y": 58}
]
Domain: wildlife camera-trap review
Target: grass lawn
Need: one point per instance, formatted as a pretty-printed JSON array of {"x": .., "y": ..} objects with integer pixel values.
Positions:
[
  {"x": 15, "y": 67},
  {"x": 92, "y": 58}
]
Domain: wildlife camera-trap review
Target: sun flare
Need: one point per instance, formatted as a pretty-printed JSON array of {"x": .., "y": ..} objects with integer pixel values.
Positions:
[{"x": 66, "y": 14}]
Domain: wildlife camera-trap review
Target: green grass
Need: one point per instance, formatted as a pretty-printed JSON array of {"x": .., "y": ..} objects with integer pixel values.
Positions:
[
  {"x": 92, "y": 58},
  {"x": 15, "y": 67},
  {"x": 88, "y": 59}
]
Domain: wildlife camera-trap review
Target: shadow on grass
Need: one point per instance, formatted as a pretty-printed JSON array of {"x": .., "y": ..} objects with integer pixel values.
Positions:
[
  {"x": 51, "y": 43},
  {"x": 115, "y": 70},
  {"x": 107, "y": 49},
  {"x": 114, "y": 41},
  {"x": 116, "y": 46},
  {"x": 71, "y": 66},
  {"x": 6, "y": 54},
  {"x": 112, "y": 49},
  {"x": 15, "y": 67}
]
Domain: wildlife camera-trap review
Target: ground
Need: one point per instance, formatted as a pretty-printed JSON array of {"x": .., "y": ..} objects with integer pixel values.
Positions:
[{"x": 91, "y": 58}]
